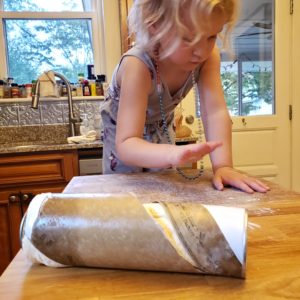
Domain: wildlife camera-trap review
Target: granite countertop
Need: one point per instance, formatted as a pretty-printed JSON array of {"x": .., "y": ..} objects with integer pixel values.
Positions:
[
  {"x": 13, "y": 148},
  {"x": 21, "y": 139}
]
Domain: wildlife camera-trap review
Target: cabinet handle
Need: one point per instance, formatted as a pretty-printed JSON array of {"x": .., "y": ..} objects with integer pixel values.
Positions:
[
  {"x": 26, "y": 198},
  {"x": 13, "y": 198}
]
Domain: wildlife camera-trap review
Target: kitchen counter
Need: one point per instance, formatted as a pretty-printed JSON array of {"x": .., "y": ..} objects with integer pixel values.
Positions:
[
  {"x": 273, "y": 253},
  {"x": 40, "y": 147},
  {"x": 21, "y": 139}
]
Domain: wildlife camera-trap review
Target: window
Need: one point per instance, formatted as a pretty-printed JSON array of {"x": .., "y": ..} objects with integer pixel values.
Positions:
[
  {"x": 49, "y": 35},
  {"x": 248, "y": 79}
]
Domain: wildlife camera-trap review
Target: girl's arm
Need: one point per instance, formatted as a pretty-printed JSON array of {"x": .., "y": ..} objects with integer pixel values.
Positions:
[
  {"x": 215, "y": 116},
  {"x": 218, "y": 126},
  {"x": 135, "y": 83}
]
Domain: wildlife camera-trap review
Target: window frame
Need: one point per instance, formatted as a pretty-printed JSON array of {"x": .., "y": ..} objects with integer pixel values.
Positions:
[{"x": 95, "y": 15}]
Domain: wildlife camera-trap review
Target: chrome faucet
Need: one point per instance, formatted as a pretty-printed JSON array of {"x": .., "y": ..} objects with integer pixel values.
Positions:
[{"x": 72, "y": 118}]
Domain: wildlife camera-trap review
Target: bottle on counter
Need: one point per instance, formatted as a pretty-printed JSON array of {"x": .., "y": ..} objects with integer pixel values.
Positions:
[
  {"x": 80, "y": 84},
  {"x": 28, "y": 89},
  {"x": 7, "y": 91},
  {"x": 15, "y": 92},
  {"x": 93, "y": 87},
  {"x": 79, "y": 91},
  {"x": 80, "y": 78},
  {"x": 91, "y": 78},
  {"x": 99, "y": 88},
  {"x": 7, "y": 87},
  {"x": 73, "y": 90},
  {"x": 33, "y": 86},
  {"x": 22, "y": 90},
  {"x": 86, "y": 88},
  {"x": 102, "y": 79}
]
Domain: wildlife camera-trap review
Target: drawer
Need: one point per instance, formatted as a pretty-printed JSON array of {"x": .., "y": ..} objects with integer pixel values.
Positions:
[{"x": 38, "y": 168}]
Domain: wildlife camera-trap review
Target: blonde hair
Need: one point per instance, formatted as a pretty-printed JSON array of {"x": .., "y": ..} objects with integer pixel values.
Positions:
[{"x": 166, "y": 15}]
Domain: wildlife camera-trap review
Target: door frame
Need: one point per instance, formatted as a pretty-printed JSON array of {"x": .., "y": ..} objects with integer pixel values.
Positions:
[{"x": 295, "y": 122}]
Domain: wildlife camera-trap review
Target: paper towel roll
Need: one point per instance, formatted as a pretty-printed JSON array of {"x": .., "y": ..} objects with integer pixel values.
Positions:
[{"x": 118, "y": 231}]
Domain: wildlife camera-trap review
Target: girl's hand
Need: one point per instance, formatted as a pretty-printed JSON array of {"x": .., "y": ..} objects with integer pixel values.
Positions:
[
  {"x": 229, "y": 176},
  {"x": 192, "y": 152}
]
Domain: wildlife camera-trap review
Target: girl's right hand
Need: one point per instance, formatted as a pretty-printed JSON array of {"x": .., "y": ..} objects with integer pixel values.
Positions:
[{"x": 192, "y": 152}]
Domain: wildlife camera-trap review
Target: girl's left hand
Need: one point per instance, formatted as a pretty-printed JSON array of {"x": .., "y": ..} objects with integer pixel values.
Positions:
[{"x": 229, "y": 176}]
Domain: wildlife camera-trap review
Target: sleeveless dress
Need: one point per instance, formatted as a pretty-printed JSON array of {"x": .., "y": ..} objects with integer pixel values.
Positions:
[{"x": 153, "y": 130}]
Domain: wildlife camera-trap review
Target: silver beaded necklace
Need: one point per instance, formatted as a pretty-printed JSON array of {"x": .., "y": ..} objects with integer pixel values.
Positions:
[{"x": 164, "y": 119}]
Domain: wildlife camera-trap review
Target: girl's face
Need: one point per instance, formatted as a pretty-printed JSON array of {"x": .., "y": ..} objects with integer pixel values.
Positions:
[{"x": 187, "y": 56}]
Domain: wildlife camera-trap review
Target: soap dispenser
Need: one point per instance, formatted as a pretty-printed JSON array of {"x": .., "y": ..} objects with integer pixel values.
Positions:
[{"x": 84, "y": 127}]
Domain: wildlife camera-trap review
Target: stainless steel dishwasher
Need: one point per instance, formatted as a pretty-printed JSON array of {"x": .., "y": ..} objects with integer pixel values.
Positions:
[{"x": 90, "y": 161}]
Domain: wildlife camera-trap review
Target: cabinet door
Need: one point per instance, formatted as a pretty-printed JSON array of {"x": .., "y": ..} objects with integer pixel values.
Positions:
[
  {"x": 22, "y": 176},
  {"x": 13, "y": 205},
  {"x": 5, "y": 242}
]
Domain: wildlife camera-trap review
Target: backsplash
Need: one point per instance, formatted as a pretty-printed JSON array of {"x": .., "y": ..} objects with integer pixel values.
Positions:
[{"x": 49, "y": 112}]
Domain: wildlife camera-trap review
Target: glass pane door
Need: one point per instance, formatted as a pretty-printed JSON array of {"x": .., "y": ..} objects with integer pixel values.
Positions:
[{"x": 248, "y": 78}]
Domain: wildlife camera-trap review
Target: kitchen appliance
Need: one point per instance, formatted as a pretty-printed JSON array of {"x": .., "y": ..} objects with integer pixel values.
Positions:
[{"x": 90, "y": 161}]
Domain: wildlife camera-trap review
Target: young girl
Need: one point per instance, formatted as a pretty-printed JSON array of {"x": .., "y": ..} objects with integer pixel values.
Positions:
[{"x": 175, "y": 50}]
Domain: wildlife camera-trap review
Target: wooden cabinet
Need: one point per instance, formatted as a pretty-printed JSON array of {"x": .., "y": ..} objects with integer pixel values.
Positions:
[{"x": 22, "y": 176}]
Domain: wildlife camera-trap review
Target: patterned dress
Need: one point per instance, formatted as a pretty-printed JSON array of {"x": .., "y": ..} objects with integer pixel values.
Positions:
[{"x": 153, "y": 131}]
